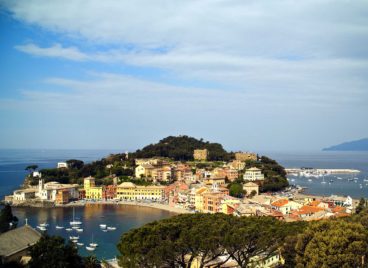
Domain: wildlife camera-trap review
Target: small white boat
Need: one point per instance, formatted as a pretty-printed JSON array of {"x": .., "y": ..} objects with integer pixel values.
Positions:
[
  {"x": 111, "y": 228},
  {"x": 79, "y": 230},
  {"x": 103, "y": 226},
  {"x": 75, "y": 222},
  {"x": 309, "y": 180},
  {"x": 93, "y": 245},
  {"x": 74, "y": 241},
  {"x": 59, "y": 227},
  {"x": 90, "y": 248},
  {"x": 73, "y": 237},
  {"x": 68, "y": 229},
  {"x": 42, "y": 228},
  {"x": 43, "y": 224},
  {"x": 104, "y": 230},
  {"x": 75, "y": 227},
  {"x": 80, "y": 244}
]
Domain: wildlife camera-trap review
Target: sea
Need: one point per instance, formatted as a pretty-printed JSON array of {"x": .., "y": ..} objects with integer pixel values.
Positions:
[{"x": 124, "y": 217}]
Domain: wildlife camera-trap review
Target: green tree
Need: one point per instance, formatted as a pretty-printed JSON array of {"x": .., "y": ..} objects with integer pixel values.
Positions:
[
  {"x": 51, "y": 251},
  {"x": 236, "y": 190},
  {"x": 361, "y": 205},
  {"x": 91, "y": 262},
  {"x": 332, "y": 243},
  {"x": 75, "y": 164},
  {"x": 7, "y": 219},
  {"x": 31, "y": 168},
  {"x": 249, "y": 237}
]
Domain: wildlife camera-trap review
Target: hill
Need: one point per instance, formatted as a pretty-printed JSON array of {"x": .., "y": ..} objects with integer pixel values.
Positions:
[
  {"x": 181, "y": 148},
  {"x": 358, "y": 145}
]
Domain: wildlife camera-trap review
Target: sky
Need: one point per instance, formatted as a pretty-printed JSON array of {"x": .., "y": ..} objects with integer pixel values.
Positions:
[{"x": 251, "y": 75}]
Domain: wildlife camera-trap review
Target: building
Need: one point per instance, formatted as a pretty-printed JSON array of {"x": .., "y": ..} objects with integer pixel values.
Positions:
[
  {"x": 237, "y": 164},
  {"x": 211, "y": 181},
  {"x": 198, "y": 203},
  {"x": 130, "y": 191},
  {"x": 164, "y": 173},
  {"x": 144, "y": 170},
  {"x": 245, "y": 156},
  {"x": 15, "y": 243},
  {"x": 62, "y": 196},
  {"x": 62, "y": 165},
  {"x": 253, "y": 174},
  {"x": 48, "y": 191},
  {"x": 24, "y": 195},
  {"x": 36, "y": 174},
  {"x": 285, "y": 206},
  {"x": 200, "y": 154},
  {"x": 92, "y": 191},
  {"x": 109, "y": 192},
  {"x": 249, "y": 187},
  {"x": 212, "y": 202}
]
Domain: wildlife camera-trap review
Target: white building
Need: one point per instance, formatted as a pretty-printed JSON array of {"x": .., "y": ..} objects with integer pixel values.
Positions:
[
  {"x": 62, "y": 165},
  {"x": 49, "y": 190},
  {"x": 253, "y": 174},
  {"x": 36, "y": 174},
  {"x": 24, "y": 194}
]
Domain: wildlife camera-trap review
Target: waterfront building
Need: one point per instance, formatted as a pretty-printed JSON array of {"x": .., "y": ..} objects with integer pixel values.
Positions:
[
  {"x": 62, "y": 165},
  {"x": 109, "y": 192},
  {"x": 132, "y": 192},
  {"x": 200, "y": 154},
  {"x": 253, "y": 174},
  {"x": 16, "y": 243},
  {"x": 249, "y": 187},
  {"x": 24, "y": 195},
  {"x": 92, "y": 191},
  {"x": 245, "y": 156},
  {"x": 62, "y": 196},
  {"x": 48, "y": 191}
]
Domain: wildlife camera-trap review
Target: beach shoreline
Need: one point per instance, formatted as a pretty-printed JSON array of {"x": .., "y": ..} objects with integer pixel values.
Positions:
[{"x": 82, "y": 203}]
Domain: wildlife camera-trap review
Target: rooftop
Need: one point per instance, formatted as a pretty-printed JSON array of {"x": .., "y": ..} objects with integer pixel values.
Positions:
[{"x": 18, "y": 239}]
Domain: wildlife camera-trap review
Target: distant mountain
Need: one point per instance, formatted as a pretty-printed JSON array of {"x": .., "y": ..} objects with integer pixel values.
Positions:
[{"x": 359, "y": 145}]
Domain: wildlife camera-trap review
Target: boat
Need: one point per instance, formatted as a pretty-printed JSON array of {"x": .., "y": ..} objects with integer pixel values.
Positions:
[
  {"x": 59, "y": 227},
  {"x": 80, "y": 244},
  {"x": 79, "y": 230},
  {"x": 104, "y": 230},
  {"x": 309, "y": 180},
  {"x": 323, "y": 181},
  {"x": 366, "y": 180},
  {"x": 75, "y": 222},
  {"x": 73, "y": 237},
  {"x": 103, "y": 226},
  {"x": 90, "y": 248},
  {"x": 111, "y": 228},
  {"x": 68, "y": 229},
  {"x": 339, "y": 178},
  {"x": 43, "y": 224},
  {"x": 92, "y": 244},
  {"x": 331, "y": 180},
  {"x": 360, "y": 186},
  {"x": 42, "y": 228},
  {"x": 75, "y": 227}
]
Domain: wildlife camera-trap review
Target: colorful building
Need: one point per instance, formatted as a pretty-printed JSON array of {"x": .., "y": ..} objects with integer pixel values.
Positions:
[
  {"x": 92, "y": 191},
  {"x": 132, "y": 192}
]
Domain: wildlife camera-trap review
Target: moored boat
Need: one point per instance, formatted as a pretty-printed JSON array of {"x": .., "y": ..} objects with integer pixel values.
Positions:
[
  {"x": 90, "y": 248},
  {"x": 59, "y": 227},
  {"x": 103, "y": 226},
  {"x": 111, "y": 228}
]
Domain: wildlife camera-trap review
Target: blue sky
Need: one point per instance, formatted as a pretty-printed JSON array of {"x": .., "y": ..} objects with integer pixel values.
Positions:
[{"x": 252, "y": 75}]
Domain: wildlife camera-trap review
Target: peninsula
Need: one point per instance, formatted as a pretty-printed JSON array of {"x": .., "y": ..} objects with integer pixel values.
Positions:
[{"x": 357, "y": 145}]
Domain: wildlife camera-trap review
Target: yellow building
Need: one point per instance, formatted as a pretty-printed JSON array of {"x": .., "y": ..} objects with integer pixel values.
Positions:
[
  {"x": 130, "y": 191},
  {"x": 199, "y": 198},
  {"x": 200, "y": 155},
  {"x": 228, "y": 203},
  {"x": 92, "y": 191}
]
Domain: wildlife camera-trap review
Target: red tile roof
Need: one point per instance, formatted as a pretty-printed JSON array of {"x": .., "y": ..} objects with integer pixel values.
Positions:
[{"x": 280, "y": 203}]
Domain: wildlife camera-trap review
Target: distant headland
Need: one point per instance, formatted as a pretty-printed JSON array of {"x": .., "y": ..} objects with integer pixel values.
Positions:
[{"x": 358, "y": 145}]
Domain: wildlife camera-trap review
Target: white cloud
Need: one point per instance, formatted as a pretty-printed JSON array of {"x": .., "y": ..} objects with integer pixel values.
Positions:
[{"x": 57, "y": 51}]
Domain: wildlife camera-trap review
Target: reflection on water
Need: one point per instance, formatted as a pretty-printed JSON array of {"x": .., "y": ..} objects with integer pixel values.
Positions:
[{"x": 123, "y": 217}]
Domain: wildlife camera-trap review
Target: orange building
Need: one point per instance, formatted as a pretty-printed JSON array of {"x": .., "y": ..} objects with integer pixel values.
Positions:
[
  {"x": 212, "y": 202},
  {"x": 82, "y": 194},
  {"x": 109, "y": 192},
  {"x": 62, "y": 196}
]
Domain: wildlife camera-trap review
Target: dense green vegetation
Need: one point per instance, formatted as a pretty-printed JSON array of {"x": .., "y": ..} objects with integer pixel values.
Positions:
[
  {"x": 7, "y": 220},
  {"x": 181, "y": 149},
  {"x": 183, "y": 239}
]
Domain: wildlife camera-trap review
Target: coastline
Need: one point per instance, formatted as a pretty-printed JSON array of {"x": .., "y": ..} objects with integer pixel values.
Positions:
[{"x": 83, "y": 203}]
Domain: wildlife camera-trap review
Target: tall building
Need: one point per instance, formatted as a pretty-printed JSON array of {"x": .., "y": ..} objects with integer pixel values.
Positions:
[
  {"x": 92, "y": 191},
  {"x": 200, "y": 154}
]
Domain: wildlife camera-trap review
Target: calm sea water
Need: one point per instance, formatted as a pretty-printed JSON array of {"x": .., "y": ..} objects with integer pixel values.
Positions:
[
  {"x": 123, "y": 217},
  {"x": 351, "y": 160}
]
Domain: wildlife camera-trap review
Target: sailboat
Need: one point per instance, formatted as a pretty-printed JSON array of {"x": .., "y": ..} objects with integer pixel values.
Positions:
[
  {"x": 90, "y": 248},
  {"x": 59, "y": 227},
  {"x": 93, "y": 244},
  {"x": 74, "y": 222},
  {"x": 323, "y": 180}
]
